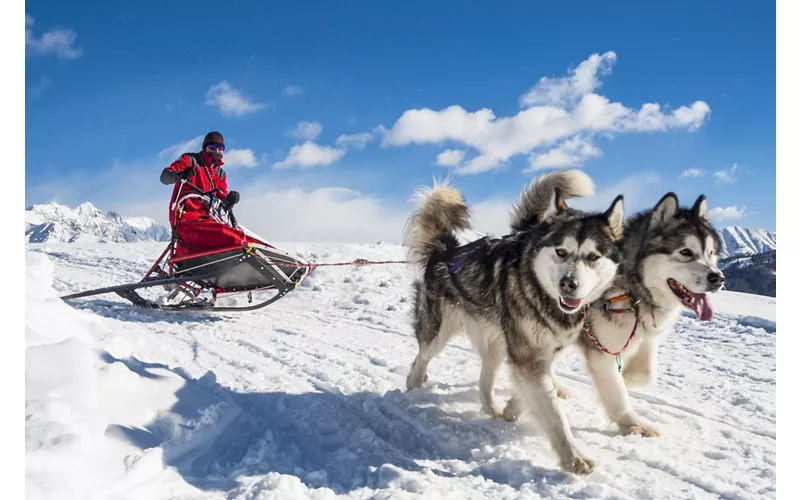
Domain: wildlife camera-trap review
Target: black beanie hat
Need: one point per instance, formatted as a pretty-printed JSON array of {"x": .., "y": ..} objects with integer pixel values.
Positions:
[{"x": 213, "y": 138}]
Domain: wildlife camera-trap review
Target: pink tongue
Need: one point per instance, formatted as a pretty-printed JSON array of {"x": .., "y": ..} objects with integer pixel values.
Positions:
[
  {"x": 702, "y": 307},
  {"x": 571, "y": 302}
]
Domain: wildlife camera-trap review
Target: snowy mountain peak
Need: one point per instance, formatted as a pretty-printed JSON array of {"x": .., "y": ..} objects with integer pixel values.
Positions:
[
  {"x": 52, "y": 222},
  {"x": 737, "y": 240}
]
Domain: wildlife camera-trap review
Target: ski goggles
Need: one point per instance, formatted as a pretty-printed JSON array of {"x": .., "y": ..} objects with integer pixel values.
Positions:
[{"x": 217, "y": 147}]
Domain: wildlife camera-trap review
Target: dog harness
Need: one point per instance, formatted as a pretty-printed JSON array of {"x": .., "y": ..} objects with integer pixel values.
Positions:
[{"x": 608, "y": 308}]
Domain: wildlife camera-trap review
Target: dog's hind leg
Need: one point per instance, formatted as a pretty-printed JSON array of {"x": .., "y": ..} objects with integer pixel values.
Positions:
[
  {"x": 434, "y": 329},
  {"x": 491, "y": 345}
]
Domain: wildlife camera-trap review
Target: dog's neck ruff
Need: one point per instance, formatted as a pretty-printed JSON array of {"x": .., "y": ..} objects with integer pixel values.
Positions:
[{"x": 634, "y": 308}]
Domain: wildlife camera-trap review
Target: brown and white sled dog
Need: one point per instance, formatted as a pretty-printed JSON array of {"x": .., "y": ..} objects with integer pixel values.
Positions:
[
  {"x": 669, "y": 265},
  {"x": 520, "y": 296}
]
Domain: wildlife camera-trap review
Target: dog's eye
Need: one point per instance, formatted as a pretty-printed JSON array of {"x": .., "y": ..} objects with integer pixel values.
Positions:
[
  {"x": 561, "y": 252},
  {"x": 687, "y": 253},
  {"x": 593, "y": 257}
]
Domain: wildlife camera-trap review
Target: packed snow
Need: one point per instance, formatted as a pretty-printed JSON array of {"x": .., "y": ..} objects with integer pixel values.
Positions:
[{"x": 306, "y": 398}]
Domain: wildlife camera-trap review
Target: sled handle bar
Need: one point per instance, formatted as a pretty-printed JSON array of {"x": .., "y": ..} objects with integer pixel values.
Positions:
[
  {"x": 204, "y": 193},
  {"x": 198, "y": 190}
]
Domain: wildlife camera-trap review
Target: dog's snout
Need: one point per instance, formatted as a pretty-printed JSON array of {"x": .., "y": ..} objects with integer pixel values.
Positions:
[
  {"x": 567, "y": 285},
  {"x": 716, "y": 279}
]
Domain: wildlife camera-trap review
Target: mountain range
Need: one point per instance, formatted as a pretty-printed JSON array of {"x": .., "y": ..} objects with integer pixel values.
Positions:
[
  {"x": 54, "y": 223},
  {"x": 744, "y": 256}
]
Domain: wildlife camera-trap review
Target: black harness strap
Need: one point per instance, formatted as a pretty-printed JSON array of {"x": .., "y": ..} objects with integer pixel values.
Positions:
[{"x": 197, "y": 159}]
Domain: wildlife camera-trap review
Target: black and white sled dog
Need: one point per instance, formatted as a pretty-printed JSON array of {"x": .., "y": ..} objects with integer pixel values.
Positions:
[
  {"x": 669, "y": 264},
  {"x": 520, "y": 296}
]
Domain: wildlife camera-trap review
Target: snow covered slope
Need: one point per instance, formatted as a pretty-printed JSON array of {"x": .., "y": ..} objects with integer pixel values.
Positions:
[
  {"x": 307, "y": 399},
  {"x": 741, "y": 241},
  {"x": 86, "y": 223}
]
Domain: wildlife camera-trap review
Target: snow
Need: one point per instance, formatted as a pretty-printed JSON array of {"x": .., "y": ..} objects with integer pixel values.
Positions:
[
  {"x": 737, "y": 240},
  {"x": 87, "y": 224},
  {"x": 306, "y": 398}
]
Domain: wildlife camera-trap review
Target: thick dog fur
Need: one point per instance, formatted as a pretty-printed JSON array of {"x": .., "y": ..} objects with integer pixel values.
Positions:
[
  {"x": 659, "y": 244},
  {"x": 518, "y": 297}
]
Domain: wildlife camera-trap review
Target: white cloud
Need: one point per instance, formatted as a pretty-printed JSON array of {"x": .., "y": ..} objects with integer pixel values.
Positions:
[
  {"x": 58, "y": 41},
  {"x": 233, "y": 158},
  {"x": 39, "y": 88},
  {"x": 566, "y": 90},
  {"x": 725, "y": 176},
  {"x": 450, "y": 157},
  {"x": 358, "y": 141},
  {"x": 559, "y": 110},
  {"x": 310, "y": 154},
  {"x": 718, "y": 214},
  {"x": 174, "y": 151},
  {"x": 692, "y": 172},
  {"x": 230, "y": 101},
  {"x": 640, "y": 192},
  {"x": 236, "y": 158},
  {"x": 292, "y": 90},
  {"x": 330, "y": 214},
  {"x": 571, "y": 152},
  {"x": 307, "y": 131}
]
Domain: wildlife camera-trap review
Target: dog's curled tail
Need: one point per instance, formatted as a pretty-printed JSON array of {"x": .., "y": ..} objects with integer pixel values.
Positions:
[
  {"x": 441, "y": 211},
  {"x": 534, "y": 201}
]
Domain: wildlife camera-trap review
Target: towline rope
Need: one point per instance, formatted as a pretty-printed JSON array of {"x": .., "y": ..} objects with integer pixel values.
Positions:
[{"x": 357, "y": 262}]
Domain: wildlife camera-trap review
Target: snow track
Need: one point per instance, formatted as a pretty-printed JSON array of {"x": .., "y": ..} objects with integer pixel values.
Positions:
[{"x": 307, "y": 399}]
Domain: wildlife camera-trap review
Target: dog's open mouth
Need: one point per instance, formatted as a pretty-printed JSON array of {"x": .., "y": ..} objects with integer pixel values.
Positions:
[
  {"x": 569, "y": 304},
  {"x": 697, "y": 302}
]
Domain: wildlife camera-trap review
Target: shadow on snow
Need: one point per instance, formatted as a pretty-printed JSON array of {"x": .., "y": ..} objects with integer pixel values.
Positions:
[{"x": 213, "y": 436}]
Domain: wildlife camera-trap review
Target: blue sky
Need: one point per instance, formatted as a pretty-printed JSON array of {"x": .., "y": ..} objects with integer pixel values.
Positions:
[{"x": 335, "y": 112}]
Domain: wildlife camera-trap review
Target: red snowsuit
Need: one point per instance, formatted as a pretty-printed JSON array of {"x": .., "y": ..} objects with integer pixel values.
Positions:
[
  {"x": 194, "y": 230},
  {"x": 206, "y": 178}
]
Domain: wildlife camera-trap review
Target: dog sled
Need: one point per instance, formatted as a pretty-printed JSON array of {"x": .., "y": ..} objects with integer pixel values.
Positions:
[{"x": 209, "y": 261}]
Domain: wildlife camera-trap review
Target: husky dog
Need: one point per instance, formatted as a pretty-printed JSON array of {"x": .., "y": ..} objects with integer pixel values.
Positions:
[
  {"x": 519, "y": 296},
  {"x": 669, "y": 265}
]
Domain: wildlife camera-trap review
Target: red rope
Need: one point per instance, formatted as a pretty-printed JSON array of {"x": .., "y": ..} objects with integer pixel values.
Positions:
[
  {"x": 357, "y": 262},
  {"x": 588, "y": 330}
]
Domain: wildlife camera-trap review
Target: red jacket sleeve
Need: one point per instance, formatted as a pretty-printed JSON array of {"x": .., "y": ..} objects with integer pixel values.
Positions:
[{"x": 179, "y": 165}]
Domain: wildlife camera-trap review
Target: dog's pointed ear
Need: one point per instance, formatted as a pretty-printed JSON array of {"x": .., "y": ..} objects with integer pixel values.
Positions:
[
  {"x": 700, "y": 208},
  {"x": 665, "y": 210},
  {"x": 561, "y": 204},
  {"x": 615, "y": 215}
]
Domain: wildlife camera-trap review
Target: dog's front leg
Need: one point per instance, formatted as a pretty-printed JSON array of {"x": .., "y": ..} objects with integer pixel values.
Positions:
[
  {"x": 640, "y": 369},
  {"x": 537, "y": 391},
  {"x": 515, "y": 409},
  {"x": 611, "y": 387}
]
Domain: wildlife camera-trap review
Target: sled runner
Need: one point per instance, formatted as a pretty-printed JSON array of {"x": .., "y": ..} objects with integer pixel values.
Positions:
[{"x": 211, "y": 258}]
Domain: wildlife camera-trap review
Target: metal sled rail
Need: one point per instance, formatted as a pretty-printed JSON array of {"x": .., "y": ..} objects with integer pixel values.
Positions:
[
  {"x": 134, "y": 286},
  {"x": 226, "y": 272}
]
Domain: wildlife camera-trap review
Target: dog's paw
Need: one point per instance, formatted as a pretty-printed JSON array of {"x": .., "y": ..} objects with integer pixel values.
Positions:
[
  {"x": 639, "y": 429},
  {"x": 513, "y": 410},
  {"x": 579, "y": 465},
  {"x": 414, "y": 381},
  {"x": 494, "y": 412}
]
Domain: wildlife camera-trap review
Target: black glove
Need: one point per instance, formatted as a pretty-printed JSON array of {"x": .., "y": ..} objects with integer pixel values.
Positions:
[
  {"x": 186, "y": 174},
  {"x": 232, "y": 199}
]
